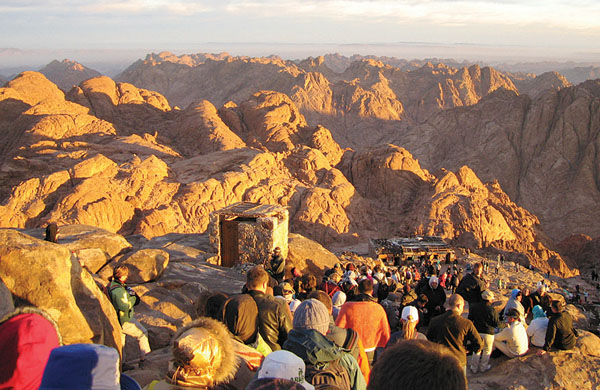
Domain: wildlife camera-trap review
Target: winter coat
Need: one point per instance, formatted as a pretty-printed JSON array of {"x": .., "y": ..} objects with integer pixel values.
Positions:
[
  {"x": 122, "y": 300},
  {"x": 453, "y": 331},
  {"x": 316, "y": 350},
  {"x": 515, "y": 337},
  {"x": 560, "y": 333},
  {"x": 471, "y": 287},
  {"x": 274, "y": 323},
  {"x": 484, "y": 317},
  {"x": 369, "y": 320}
]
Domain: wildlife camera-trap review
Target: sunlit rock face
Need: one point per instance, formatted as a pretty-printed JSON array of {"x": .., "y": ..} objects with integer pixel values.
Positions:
[{"x": 112, "y": 155}]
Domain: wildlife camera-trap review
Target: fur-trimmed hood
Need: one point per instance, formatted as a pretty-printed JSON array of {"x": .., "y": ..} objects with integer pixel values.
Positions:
[{"x": 228, "y": 365}]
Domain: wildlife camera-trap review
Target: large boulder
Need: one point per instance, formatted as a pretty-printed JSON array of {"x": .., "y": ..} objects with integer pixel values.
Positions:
[
  {"x": 82, "y": 237},
  {"x": 308, "y": 256},
  {"x": 145, "y": 265},
  {"x": 45, "y": 275}
]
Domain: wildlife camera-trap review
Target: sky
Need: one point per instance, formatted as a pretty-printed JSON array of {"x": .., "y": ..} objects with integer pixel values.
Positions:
[{"x": 558, "y": 28}]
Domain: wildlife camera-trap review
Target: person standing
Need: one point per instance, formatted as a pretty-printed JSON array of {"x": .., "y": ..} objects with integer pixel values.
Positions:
[
  {"x": 486, "y": 320},
  {"x": 277, "y": 265},
  {"x": 453, "y": 331},
  {"x": 472, "y": 285},
  {"x": 124, "y": 299}
]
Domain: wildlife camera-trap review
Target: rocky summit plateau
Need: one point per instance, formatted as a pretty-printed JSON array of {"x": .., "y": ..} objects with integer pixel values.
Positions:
[{"x": 131, "y": 169}]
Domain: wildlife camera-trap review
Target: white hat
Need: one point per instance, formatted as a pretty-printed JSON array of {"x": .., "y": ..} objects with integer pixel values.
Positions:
[
  {"x": 285, "y": 365},
  {"x": 433, "y": 280},
  {"x": 410, "y": 311}
]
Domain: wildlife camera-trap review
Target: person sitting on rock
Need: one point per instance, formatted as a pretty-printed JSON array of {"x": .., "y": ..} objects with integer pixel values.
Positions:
[
  {"x": 417, "y": 364},
  {"x": 541, "y": 297},
  {"x": 85, "y": 366},
  {"x": 538, "y": 326},
  {"x": 274, "y": 322},
  {"x": 560, "y": 333},
  {"x": 124, "y": 299},
  {"x": 514, "y": 302},
  {"x": 512, "y": 340}
]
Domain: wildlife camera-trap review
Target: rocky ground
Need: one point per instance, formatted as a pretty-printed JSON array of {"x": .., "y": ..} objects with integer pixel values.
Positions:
[{"x": 173, "y": 272}]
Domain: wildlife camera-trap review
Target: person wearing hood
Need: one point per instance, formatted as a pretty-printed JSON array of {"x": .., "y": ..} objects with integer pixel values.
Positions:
[
  {"x": 27, "y": 336},
  {"x": 486, "y": 320},
  {"x": 514, "y": 302},
  {"x": 326, "y": 363},
  {"x": 436, "y": 298},
  {"x": 512, "y": 341},
  {"x": 339, "y": 298},
  {"x": 368, "y": 319},
  {"x": 538, "y": 326},
  {"x": 85, "y": 366},
  {"x": 204, "y": 357},
  {"x": 240, "y": 315}
]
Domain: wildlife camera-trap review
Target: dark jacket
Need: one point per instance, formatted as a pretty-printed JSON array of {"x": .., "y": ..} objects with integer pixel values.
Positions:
[
  {"x": 274, "y": 323},
  {"x": 470, "y": 288},
  {"x": 318, "y": 352},
  {"x": 436, "y": 297},
  {"x": 560, "y": 333},
  {"x": 452, "y": 330},
  {"x": 543, "y": 300},
  {"x": 484, "y": 317},
  {"x": 278, "y": 267}
]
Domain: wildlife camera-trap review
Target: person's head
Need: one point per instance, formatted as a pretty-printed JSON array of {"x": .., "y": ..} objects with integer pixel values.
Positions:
[
  {"x": 526, "y": 291},
  {"x": 516, "y": 294},
  {"x": 350, "y": 267},
  {"x": 203, "y": 354},
  {"x": 322, "y": 297},
  {"x": 417, "y": 364},
  {"x": 335, "y": 277},
  {"x": 277, "y": 251},
  {"x": 433, "y": 282},
  {"x": 409, "y": 319},
  {"x": 339, "y": 298},
  {"x": 287, "y": 291},
  {"x": 121, "y": 273},
  {"x": 487, "y": 296},
  {"x": 538, "y": 312},
  {"x": 85, "y": 366},
  {"x": 422, "y": 300},
  {"x": 456, "y": 303},
  {"x": 557, "y": 306},
  {"x": 213, "y": 307},
  {"x": 312, "y": 314},
  {"x": 240, "y": 315},
  {"x": 541, "y": 288},
  {"x": 309, "y": 282},
  {"x": 478, "y": 269},
  {"x": 365, "y": 286},
  {"x": 27, "y": 336},
  {"x": 257, "y": 279},
  {"x": 512, "y": 315},
  {"x": 284, "y": 365}
]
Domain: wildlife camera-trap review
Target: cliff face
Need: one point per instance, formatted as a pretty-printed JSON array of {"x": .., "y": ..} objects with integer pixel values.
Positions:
[{"x": 119, "y": 157}]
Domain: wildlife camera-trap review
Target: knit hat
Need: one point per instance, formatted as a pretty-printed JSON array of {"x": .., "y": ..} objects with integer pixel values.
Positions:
[
  {"x": 312, "y": 314},
  {"x": 339, "y": 298},
  {"x": 487, "y": 295},
  {"x": 538, "y": 312},
  {"x": 85, "y": 366},
  {"x": 410, "y": 311},
  {"x": 285, "y": 365}
]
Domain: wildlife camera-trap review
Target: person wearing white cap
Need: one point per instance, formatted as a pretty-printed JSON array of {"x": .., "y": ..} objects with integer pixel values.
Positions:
[
  {"x": 486, "y": 320},
  {"x": 409, "y": 321},
  {"x": 284, "y": 365}
]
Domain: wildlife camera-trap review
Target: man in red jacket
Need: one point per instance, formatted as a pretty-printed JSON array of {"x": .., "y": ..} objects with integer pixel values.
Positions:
[{"x": 367, "y": 318}]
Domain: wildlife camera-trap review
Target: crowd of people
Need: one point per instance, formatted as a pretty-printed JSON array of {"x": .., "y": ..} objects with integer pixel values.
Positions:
[{"x": 357, "y": 328}]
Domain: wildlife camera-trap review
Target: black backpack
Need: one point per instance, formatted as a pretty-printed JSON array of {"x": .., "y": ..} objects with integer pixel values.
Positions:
[{"x": 331, "y": 373}]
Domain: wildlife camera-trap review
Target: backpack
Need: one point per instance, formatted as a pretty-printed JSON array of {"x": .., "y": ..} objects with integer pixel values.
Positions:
[{"x": 330, "y": 373}]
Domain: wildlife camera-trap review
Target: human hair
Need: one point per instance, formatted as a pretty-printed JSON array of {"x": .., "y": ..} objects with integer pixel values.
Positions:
[
  {"x": 409, "y": 328},
  {"x": 477, "y": 267},
  {"x": 323, "y": 297},
  {"x": 365, "y": 286},
  {"x": 120, "y": 271},
  {"x": 214, "y": 305},
  {"x": 309, "y": 282},
  {"x": 256, "y": 277},
  {"x": 417, "y": 364},
  {"x": 558, "y": 305}
]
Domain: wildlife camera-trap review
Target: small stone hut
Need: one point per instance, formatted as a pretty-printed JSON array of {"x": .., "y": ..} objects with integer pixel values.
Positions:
[{"x": 248, "y": 232}]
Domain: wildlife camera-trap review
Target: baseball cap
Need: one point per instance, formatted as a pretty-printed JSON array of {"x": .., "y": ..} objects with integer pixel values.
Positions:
[
  {"x": 410, "y": 311},
  {"x": 284, "y": 364}
]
